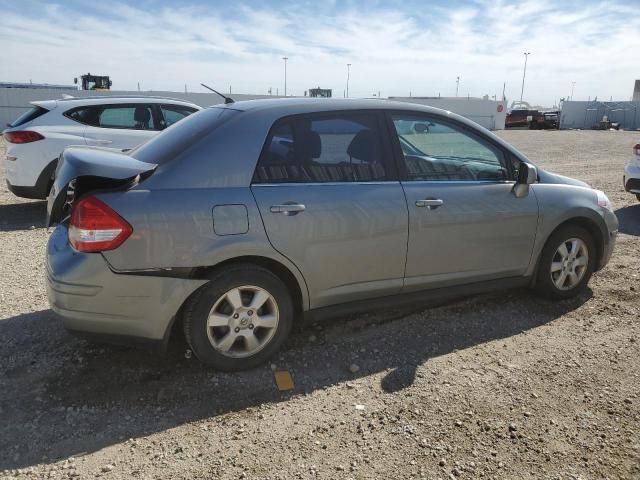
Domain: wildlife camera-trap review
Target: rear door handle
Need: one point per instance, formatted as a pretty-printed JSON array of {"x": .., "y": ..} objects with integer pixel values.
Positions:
[
  {"x": 430, "y": 203},
  {"x": 288, "y": 208}
]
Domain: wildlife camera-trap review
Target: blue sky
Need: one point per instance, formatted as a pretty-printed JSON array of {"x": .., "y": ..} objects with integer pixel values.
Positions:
[{"x": 395, "y": 47}]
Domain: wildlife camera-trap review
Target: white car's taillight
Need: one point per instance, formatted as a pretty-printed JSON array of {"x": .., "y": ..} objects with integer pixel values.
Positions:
[
  {"x": 95, "y": 227},
  {"x": 24, "y": 136}
]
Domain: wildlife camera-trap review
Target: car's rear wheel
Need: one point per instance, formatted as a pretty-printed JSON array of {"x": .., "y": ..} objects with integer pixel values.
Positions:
[
  {"x": 239, "y": 319},
  {"x": 567, "y": 263}
]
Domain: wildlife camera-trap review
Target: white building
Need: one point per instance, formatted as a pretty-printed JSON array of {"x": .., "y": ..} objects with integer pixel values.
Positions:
[{"x": 489, "y": 113}]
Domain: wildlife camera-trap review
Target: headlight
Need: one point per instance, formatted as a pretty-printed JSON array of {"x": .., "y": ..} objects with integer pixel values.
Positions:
[{"x": 603, "y": 200}]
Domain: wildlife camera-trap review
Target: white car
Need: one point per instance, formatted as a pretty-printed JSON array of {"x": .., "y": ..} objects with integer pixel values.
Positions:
[
  {"x": 36, "y": 138},
  {"x": 631, "y": 177}
]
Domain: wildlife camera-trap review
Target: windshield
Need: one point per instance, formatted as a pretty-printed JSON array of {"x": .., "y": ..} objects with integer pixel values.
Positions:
[
  {"x": 180, "y": 136},
  {"x": 28, "y": 116}
]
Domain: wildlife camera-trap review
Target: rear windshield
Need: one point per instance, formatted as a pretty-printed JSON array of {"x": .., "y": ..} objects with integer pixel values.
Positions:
[
  {"x": 178, "y": 137},
  {"x": 28, "y": 116}
]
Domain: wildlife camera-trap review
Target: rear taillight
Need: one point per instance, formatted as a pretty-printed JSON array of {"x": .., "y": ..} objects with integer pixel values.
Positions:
[
  {"x": 636, "y": 149},
  {"x": 95, "y": 227},
  {"x": 24, "y": 136}
]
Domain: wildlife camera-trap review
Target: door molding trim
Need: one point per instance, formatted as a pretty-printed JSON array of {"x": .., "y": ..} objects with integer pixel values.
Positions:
[{"x": 420, "y": 299}]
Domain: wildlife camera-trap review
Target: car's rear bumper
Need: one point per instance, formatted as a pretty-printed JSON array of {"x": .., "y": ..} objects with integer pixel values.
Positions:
[
  {"x": 95, "y": 301},
  {"x": 26, "y": 192},
  {"x": 631, "y": 179},
  {"x": 38, "y": 191}
]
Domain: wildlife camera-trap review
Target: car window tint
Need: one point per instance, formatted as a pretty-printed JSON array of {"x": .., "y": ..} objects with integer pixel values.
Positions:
[
  {"x": 340, "y": 148},
  {"x": 28, "y": 116},
  {"x": 131, "y": 116},
  {"x": 135, "y": 117},
  {"x": 435, "y": 151},
  {"x": 175, "y": 113},
  {"x": 85, "y": 115}
]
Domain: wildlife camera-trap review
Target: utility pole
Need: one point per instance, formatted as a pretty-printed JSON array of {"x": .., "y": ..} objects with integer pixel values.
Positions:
[
  {"x": 573, "y": 84},
  {"x": 348, "y": 72},
  {"x": 457, "y": 85},
  {"x": 524, "y": 73},
  {"x": 285, "y": 74}
]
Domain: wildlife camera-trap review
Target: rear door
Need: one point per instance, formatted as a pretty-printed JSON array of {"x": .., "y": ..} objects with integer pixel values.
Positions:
[
  {"x": 465, "y": 224},
  {"x": 121, "y": 126},
  {"x": 331, "y": 202}
]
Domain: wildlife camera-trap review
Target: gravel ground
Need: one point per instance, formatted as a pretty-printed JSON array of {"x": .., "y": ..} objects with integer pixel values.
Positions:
[{"x": 503, "y": 385}]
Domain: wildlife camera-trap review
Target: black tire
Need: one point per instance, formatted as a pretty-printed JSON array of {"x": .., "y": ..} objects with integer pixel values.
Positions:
[
  {"x": 200, "y": 304},
  {"x": 544, "y": 282}
]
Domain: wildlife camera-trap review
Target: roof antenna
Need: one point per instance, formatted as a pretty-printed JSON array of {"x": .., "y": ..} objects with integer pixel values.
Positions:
[{"x": 226, "y": 99}]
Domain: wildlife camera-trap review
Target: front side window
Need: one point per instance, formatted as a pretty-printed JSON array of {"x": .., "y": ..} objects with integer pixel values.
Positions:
[
  {"x": 129, "y": 116},
  {"x": 175, "y": 113},
  {"x": 323, "y": 148},
  {"x": 436, "y": 151}
]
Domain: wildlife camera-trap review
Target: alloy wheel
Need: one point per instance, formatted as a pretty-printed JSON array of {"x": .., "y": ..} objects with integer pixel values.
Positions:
[
  {"x": 242, "y": 321},
  {"x": 569, "y": 263}
]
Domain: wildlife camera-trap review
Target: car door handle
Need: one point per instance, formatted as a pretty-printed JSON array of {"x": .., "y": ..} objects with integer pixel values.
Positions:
[
  {"x": 288, "y": 208},
  {"x": 430, "y": 203}
]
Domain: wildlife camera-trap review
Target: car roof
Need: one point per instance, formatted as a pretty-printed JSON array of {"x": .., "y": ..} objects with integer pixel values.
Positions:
[
  {"x": 281, "y": 107},
  {"x": 326, "y": 104},
  {"x": 109, "y": 99}
]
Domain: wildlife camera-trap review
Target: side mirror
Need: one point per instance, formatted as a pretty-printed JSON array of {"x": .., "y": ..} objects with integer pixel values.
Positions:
[{"x": 527, "y": 175}]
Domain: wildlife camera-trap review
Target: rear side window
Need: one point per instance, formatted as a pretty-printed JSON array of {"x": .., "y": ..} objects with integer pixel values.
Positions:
[
  {"x": 175, "y": 113},
  {"x": 28, "y": 116},
  {"x": 343, "y": 147},
  {"x": 128, "y": 116}
]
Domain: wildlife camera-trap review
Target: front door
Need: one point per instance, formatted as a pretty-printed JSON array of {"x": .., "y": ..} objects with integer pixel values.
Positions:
[
  {"x": 331, "y": 203},
  {"x": 465, "y": 224}
]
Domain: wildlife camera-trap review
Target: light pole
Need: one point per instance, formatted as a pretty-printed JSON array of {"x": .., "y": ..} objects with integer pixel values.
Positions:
[
  {"x": 348, "y": 71},
  {"x": 573, "y": 84},
  {"x": 457, "y": 85},
  {"x": 285, "y": 74},
  {"x": 524, "y": 73}
]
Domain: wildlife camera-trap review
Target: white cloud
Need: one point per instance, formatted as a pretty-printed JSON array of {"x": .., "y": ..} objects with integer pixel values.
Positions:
[{"x": 417, "y": 48}]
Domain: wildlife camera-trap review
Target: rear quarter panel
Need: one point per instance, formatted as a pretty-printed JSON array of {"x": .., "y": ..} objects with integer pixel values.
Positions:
[{"x": 174, "y": 228}]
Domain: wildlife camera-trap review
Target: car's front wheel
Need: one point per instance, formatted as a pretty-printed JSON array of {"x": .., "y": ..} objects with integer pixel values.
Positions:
[
  {"x": 239, "y": 319},
  {"x": 567, "y": 263}
]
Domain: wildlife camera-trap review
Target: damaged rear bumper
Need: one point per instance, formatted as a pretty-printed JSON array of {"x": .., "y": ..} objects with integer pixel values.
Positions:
[{"x": 121, "y": 308}]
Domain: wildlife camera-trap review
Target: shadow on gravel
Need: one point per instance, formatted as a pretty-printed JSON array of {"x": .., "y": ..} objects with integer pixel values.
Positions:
[
  {"x": 22, "y": 216},
  {"x": 63, "y": 397},
  {"x": 629, "y": 218}
]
